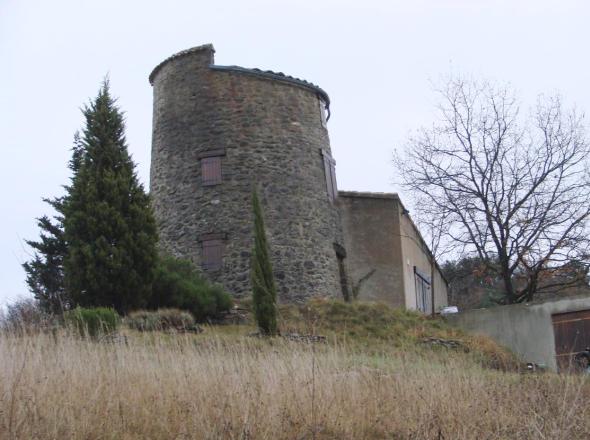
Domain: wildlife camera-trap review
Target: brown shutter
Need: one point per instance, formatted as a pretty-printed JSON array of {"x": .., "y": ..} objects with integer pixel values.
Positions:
[
  {"x": 211, "y": 170},
  {"x": 212, "y": 254}
]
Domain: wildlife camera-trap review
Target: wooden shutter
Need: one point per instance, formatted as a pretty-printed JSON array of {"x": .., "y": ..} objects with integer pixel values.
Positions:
[
  {"x": 212, "y": 254},
  {"x": 322, "y": 112},
  {"x": 330, "y": 172},
  {"x": 333, "y": 177},
  {"x": 211, "y": 170}
]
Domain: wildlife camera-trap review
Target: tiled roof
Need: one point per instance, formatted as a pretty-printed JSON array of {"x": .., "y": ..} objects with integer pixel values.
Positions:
[{"x": 277, "y": 76}]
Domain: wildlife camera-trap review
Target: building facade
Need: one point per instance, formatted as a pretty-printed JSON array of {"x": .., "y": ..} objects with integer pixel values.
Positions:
[
  {"x": 219, "y": 132},
  {"x": 388, "y": 260}
]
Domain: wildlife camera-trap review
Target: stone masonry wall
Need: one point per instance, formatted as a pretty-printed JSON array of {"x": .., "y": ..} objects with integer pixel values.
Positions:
[{"x": 272, "y": 134}]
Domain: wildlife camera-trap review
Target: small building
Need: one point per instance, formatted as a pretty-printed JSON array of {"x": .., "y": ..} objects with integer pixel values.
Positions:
[
  {"x": 388, "y": 260},
  {"x": 548, "y": 333},
  {"x": 221, "y": 131}
]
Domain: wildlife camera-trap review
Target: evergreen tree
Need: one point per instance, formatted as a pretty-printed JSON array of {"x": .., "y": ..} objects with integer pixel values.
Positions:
[
  {"x": 45, "y": 272},
  {"x": 264, "y": 292},
  {"x": 108, "y": 223}
]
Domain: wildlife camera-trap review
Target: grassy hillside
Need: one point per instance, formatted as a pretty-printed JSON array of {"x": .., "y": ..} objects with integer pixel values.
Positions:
[
  {"x": 376, "y": 327},
  {"x": 374, "y": 378}
]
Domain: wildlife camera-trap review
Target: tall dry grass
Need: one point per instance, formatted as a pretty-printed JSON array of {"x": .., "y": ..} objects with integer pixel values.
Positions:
[{"x": 213, "y": 387}]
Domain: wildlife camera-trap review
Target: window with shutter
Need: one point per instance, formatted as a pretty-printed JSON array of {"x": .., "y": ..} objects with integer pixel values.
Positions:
[
  {"x": 212, "y": 254},
  {"x": 330, "y": 172},
  {"x": 211, "y": 166},
  {"x": 211, "y": 170}
]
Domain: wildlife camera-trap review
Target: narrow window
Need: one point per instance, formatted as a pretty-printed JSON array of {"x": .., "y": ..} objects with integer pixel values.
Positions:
[
  {"x": 330, "y": 172},
  {"x": 423, "y": 297},
  {"x": 212, "y": 254},
  {"x": 211, "y": 167}
]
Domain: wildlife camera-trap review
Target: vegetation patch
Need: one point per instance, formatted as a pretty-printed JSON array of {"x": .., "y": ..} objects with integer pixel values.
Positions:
[
  {"x": 177, "y": 284},
  {"x": 161, "y": 320},
  {"x": 222, "y": 384},
  {"x": 92, "y": 322},
  {"x": 378, "y": 327}
]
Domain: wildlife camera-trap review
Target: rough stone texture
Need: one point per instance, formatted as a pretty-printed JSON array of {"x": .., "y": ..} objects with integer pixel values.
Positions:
[
  {"x": 272, "y": 134},
  {"x": 383, "y": 247}
]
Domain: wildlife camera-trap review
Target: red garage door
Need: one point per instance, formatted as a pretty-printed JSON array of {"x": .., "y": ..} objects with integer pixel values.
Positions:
[{"x": 572, "y": 335}]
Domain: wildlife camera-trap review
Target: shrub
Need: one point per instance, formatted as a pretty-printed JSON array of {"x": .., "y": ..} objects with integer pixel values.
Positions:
[
  {"x": 161, "y": 319},
  {"x": 143, "y": 320},
  {"x": 178, "y": 285},
  {"x": 25, "y": 315},
  {"x": 92, "y": 322}
]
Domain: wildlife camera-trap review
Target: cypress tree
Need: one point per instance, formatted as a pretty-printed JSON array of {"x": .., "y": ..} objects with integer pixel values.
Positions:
[
  {"x": 108, "y": 223},
  {"x": 264, "y": 292}
]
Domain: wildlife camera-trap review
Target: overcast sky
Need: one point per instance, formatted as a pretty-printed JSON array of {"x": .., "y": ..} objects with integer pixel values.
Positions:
[{"x": 377, "y": 61}]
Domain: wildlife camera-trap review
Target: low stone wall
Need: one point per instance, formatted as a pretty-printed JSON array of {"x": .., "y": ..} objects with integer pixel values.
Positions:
[{"x": 526, "y": 329}]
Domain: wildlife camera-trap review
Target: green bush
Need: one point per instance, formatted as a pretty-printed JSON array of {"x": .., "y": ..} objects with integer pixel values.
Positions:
[
  {"x": 160, "y": 320},
  {"x": 178, "y": 285},
  {"x": 92, "y": 322}
]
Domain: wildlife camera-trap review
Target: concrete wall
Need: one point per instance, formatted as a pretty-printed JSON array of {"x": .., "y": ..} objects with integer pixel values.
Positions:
[
  {"x": 415, "y": 253},
  {"x": 270, "y": 129},
  {"x": 526, "y": 329},
  {"x": 370, "y": 222},
  {"x": 380, "y": 236}
]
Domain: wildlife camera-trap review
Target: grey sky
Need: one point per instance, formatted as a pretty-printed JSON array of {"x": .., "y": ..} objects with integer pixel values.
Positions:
[{"x": 375, "y": 59}]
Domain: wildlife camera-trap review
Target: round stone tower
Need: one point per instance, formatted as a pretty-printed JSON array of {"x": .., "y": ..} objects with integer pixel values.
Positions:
[{"x": 220, "y": 131}]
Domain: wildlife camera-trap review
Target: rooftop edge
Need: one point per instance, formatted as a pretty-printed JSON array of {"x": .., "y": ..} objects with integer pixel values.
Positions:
[
  {"x": 277, "y": 76},
  {"x": 180, "y": 54},
  {"x": 269, "y": 74},
  {"x": 369, "y": 195}
]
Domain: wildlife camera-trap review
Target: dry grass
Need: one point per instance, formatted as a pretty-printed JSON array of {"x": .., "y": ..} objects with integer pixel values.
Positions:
[
  {"x": 222, "y": 384},
  {"x": 373, "y": 327}
]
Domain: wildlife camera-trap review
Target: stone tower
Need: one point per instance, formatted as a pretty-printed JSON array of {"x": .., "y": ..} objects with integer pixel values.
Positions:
[{"x": 219, "y": 131}]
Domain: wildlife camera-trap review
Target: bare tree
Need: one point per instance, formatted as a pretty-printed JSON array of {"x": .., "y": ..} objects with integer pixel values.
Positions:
[{"x": 514, "y": 192}]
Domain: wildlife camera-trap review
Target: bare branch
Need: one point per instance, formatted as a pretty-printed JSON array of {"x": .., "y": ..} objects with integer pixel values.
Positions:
[{"x": 514, "y": 191}]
